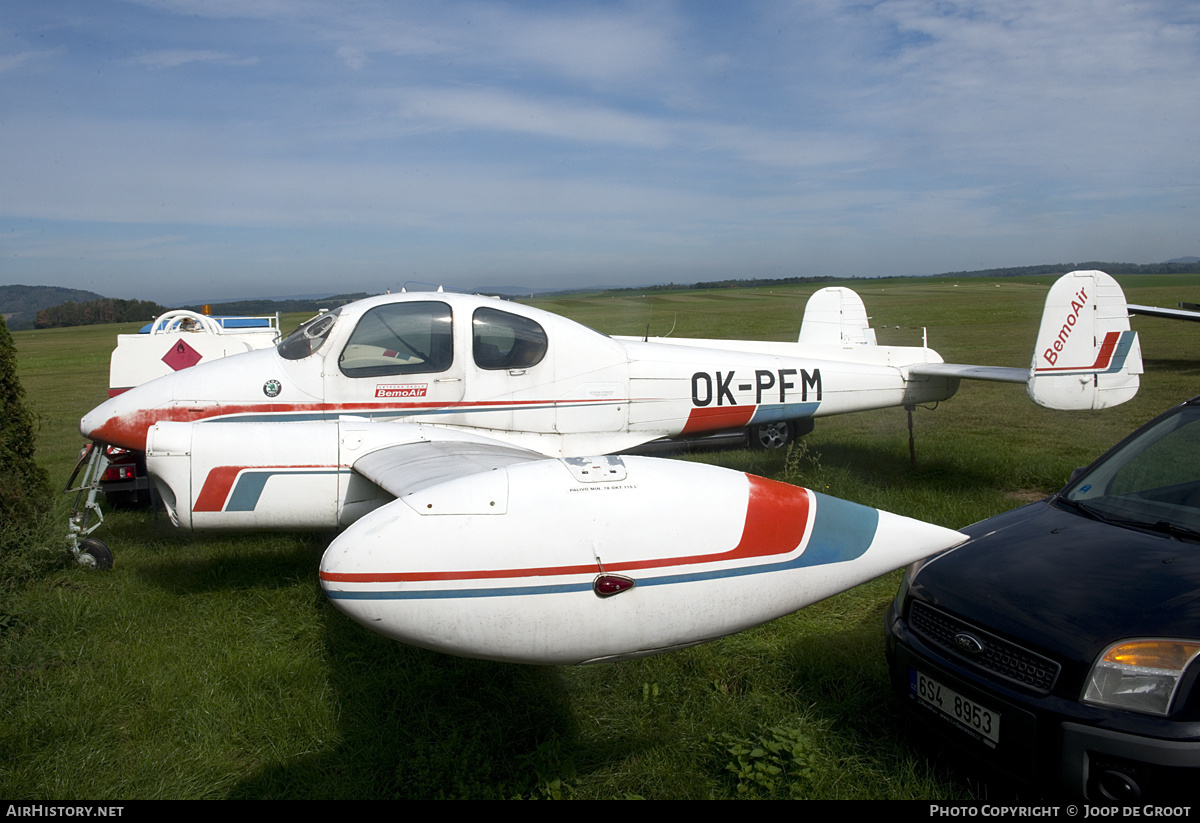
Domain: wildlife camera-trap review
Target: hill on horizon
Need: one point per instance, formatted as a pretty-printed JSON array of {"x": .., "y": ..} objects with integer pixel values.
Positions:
[{"x": 20, "y": 304}]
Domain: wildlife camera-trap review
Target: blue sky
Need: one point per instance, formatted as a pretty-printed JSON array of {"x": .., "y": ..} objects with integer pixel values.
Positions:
[{"x": 208, "y": 149}]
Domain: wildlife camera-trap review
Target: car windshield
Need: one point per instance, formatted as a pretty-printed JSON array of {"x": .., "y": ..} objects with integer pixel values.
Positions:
[
  {"x": 1152, "y": 480},
  {"x": 308, "y": 338}
]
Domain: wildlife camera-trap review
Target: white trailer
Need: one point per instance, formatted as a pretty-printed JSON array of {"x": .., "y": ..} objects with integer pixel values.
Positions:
[
  {"x": 176, "y": 340},
  {"x": 180, "y": 339}
]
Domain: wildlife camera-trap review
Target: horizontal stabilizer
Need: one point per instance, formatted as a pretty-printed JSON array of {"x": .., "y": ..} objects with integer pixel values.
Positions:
[
  {"x": 1086, "y": 356},
  {"x": 1169, "y": 314},
  {"x": 996, "y": 374}
]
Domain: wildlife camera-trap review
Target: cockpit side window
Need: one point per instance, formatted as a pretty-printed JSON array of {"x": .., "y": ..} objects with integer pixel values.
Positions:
[
  {"x": 400, "y": 338},
  {"x": 500, "y": 340},
  {"x": 309, "y": 337}
]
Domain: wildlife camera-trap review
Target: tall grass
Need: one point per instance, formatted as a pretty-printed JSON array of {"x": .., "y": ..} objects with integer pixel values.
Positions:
[{"x": 207, "y": 666}]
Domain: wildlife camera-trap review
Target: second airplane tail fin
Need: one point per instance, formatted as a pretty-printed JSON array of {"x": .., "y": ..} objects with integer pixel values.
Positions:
[
  {"x": 836, "y": 316},
  {"x": 1086, "y": 356}
]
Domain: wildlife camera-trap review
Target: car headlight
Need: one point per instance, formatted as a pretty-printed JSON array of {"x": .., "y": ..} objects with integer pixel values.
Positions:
[
  {"x": 1140, "y": 675},
  {"x": 910, "y": 574}
]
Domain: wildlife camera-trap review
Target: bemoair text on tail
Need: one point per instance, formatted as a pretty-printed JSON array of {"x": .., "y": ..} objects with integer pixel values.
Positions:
[{"x": 1086, "y": 355}]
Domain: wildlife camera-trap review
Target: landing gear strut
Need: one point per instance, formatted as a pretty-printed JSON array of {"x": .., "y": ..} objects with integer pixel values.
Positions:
[{"x": 88, "y": 551}]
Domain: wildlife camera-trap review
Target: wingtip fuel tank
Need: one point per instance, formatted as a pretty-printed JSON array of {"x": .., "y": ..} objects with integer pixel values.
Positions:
[{"x": 578, "y": 561}]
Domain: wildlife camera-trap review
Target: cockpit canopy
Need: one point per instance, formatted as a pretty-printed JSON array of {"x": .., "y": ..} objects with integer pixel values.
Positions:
[
  {"x": 417, "y": 337},
  {"x": 502, "y": 340}
]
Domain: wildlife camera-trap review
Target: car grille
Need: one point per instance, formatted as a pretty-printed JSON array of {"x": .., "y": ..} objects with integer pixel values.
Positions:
[{"x": 997, "y": 656}]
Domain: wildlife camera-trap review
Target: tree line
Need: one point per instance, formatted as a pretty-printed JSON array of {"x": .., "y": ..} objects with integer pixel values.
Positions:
[
  {"x": 1052, "y": 269},
  {"x": 91, "y": 312}
]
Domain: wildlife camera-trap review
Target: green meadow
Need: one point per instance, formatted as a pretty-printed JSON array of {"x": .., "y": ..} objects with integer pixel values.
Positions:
[{"x": 212, "y": 666}]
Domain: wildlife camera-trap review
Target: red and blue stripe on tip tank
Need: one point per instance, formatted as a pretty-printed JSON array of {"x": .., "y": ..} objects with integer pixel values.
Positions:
[{"x": 772, "y": 541}]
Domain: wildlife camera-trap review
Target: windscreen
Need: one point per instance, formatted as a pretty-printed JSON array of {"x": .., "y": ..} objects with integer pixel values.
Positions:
[
  {"x": 1152, "y": 480},
  {"x": 308, "y": 338}
]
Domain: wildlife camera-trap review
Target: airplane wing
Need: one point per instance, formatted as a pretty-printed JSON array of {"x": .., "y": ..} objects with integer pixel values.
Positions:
[
  {"x": 1169, "y": 314},
  {"x": 409, "y": 467}
]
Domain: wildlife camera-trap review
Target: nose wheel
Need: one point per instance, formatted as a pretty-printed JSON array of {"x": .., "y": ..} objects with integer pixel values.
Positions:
[{"x": 94, "y": 554}]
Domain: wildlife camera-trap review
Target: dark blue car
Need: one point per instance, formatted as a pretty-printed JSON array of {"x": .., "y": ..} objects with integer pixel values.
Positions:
[{"x": 1061, "y": 644}]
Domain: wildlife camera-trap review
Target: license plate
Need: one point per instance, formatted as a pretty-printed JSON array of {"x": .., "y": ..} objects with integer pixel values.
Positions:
[{"x": 965, "y": 713}]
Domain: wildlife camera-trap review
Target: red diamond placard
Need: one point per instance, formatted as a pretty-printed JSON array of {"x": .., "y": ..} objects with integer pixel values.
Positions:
[{"x": 182, "y": 356}]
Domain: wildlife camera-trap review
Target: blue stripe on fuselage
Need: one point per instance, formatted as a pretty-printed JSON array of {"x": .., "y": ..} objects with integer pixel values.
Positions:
[
  {"x": 249, "y": 487},
  {"x": 783, "y": 411}
]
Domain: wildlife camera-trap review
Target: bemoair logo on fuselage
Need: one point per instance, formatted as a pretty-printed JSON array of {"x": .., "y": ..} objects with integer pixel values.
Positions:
[
  {"x": 718, "y": 387},
  {"x": 403, "y": 390}
]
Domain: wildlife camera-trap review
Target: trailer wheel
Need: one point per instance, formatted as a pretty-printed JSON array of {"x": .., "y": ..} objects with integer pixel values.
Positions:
[
  {"x": 94, "y": 554},
  {"x": 771, "y": 435}
]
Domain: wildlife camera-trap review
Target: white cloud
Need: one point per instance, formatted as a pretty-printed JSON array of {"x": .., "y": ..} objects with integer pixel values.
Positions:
[
  {"x": 173, "y": 58},
  {"x": 597, "y": 44},
  {"x": 8, "y": 62},
  {"x": 618, "y": 45},
  {"x": 492, "y": 110},
  {"x": 1062, "y": 88}
]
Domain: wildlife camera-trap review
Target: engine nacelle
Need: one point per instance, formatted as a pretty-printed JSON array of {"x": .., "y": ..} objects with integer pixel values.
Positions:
[{"x": 230, "y": 475}]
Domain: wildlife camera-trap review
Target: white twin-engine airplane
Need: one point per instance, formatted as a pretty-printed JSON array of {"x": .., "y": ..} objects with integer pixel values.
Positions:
[{"x": 467, "y": 446}]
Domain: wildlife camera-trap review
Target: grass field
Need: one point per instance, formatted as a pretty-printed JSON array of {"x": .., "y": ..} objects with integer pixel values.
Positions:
[{"x": 213, "y": 666}]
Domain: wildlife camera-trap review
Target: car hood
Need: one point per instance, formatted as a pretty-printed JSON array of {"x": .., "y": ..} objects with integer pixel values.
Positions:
[{"x": 1056, "y": 579}]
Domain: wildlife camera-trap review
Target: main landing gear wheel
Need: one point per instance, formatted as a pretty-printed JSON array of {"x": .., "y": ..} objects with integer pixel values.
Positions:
[
  {"x": 771, "y": 436},
  {"x": 94, "y": 554}
]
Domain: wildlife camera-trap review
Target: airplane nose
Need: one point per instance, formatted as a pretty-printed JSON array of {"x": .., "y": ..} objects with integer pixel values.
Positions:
[
  {"x": 90, "y": 422},
  {"x": 117, "y": 421}
]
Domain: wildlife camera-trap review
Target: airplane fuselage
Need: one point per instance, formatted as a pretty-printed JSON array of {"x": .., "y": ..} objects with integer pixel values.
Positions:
[{"x": 526, "y": 376}]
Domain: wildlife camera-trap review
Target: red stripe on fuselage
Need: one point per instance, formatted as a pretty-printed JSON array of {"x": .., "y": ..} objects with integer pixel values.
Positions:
[
  {"x": 129, "y": 430},
  {"x": 717, "y": 418},
  {"x": 776, "y": 519},
  {"x": 215, "y": 490}
]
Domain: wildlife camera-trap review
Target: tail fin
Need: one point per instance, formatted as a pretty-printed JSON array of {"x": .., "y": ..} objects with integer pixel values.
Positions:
[
  {"x": 1086, "y": 356},
  {"x": 836, "y": 316}
]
